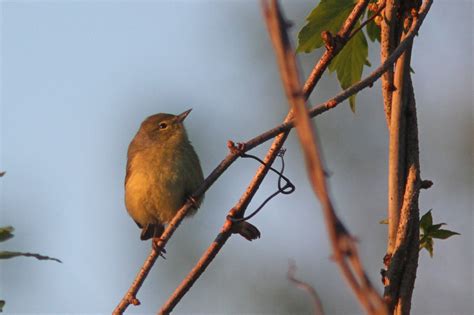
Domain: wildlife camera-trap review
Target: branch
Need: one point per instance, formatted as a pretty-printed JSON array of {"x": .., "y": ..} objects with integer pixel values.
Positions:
[
  {"x": 353, "y": 89},
  {"x": 387, "y": 44},
  {"x": 283, "y": 129},
  {"x": 397, "y": 135},
  {"x": 343, "y": 244},
  {"x": 401, "y": 259},
  {"x": 403, "y": 264},
  {"x": 281, "y": 133}
]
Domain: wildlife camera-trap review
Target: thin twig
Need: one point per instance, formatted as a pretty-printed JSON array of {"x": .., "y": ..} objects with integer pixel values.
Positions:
[
  {"x": 367, "y": 21},
  {"x": 317, "y": 305},
  {"x": 343, "y": 244}
]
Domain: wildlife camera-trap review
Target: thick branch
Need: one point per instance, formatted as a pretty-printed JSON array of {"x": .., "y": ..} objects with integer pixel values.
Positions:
[
  {"x": 396, "y": 155},
  {"x": 387, "y": 44},
  {"x": 404, "y": 262},
  {"x": 411, "y": 264}
]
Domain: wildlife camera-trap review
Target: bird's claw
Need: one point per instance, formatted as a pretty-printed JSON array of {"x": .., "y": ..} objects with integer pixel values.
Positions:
[{"x": 156, "y": 247}]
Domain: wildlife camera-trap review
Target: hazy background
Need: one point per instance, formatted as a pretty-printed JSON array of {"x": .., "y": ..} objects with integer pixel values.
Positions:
[{"x": 77, "y": 78}]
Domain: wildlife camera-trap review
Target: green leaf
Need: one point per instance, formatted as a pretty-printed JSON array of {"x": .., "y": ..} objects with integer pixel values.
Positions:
[
  {"x": 428, "y": 245},
  {"x": 8, "y": 255},
  {"x": 426, "y": 221},
  {"x": 429, "y": 231},
  {"x": 434, "y": 227},
  {"x": 443, "y": 234},
  {"x": 373, "y": 30},
  {"x": 349, "y": 63},
  {"x": 327, "y": 16},
  {"x": 384, "y": 221},
  {"x": 6, "y": 233},
  {"x": 2, "y": 304}
]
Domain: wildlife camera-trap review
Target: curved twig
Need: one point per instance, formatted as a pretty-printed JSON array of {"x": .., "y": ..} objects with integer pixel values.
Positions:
[{"x": 317, "y": 305}]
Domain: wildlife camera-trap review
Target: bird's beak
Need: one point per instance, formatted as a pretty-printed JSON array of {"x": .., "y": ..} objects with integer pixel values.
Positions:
[{"x": 183, "y": 115}]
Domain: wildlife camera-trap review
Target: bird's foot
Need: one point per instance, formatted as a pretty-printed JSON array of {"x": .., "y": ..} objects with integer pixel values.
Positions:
[
  {"x": 155, "y": 244},
  {"x": 193, "y": 202}
]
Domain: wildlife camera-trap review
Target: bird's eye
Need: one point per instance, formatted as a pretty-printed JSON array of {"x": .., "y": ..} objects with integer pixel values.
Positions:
[{"x": 162, "y": 126}]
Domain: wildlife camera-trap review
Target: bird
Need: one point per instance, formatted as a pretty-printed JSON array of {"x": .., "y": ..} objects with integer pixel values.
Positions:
[{"x": 163, "y": 171}]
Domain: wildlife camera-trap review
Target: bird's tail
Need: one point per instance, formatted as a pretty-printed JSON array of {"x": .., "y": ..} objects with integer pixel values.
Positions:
[{"x": 151, "y": 231}]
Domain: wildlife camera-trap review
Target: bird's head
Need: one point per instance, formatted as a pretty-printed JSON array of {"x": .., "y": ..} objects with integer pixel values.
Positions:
[{"x": 164, "y": 128}]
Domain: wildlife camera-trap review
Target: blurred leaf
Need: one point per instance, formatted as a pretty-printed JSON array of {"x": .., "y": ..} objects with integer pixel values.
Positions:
[
  {"x": 384, "y": 221},
  {"x": 327, "y": 16},
  {"x": 426, "y": 221},
  {"x": 8, "y": 255},
  {"x": 2, "y": 173},
  {"x": 428, "y": 245},
  {"x": 6, "y": 233},
  {"x": 373, "y": 30},
  {"x": 411, "y": 70},
  {"x": 2, "y": 304},
  {"x": 349, "y": 63},
  {"x": 443, "y": 234}
]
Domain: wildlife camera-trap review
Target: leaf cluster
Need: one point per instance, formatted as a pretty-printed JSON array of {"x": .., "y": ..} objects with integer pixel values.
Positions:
[
  {"x": 349, "y": 63},
  {"x": 430, "y": 231}
]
